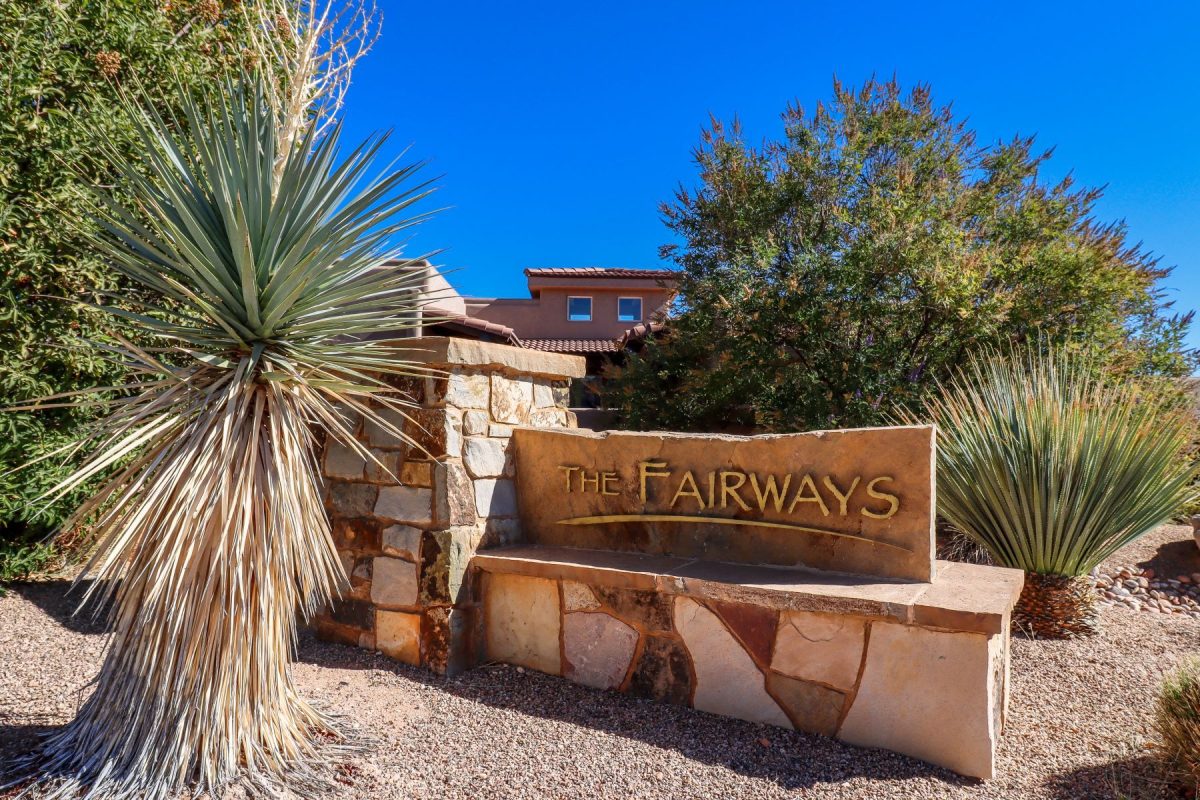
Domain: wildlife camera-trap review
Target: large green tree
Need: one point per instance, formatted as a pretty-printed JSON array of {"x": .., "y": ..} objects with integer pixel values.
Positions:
[
  {"x": 830, "y": 274},
  {"x": 64, "y": 66}
]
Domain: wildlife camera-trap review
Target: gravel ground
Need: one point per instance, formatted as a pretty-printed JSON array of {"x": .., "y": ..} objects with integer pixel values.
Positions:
[{"x": 1078, "y": 725}]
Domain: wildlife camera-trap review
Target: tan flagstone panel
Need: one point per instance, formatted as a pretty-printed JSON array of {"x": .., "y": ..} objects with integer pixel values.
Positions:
[
  {"x": 521, "y": 621},
  {"x": 826, "y": 648},
  {"x": 858, "y": 501},
  {"x": 811, "y": 707},
  {"x": 398, "y": 635},
  {"x": 597, "y": 648},
  {"x": 727, "y": 681},
  {"x": 578, "y": 597},
  {"x": 927, "y": 694}
]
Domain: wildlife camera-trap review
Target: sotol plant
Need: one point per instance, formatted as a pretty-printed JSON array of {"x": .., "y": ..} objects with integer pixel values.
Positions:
[
  {"x": 1052, "y": 468},
  {"x": 269, "y": 268},
  {"x": 1177, "y": 721}
]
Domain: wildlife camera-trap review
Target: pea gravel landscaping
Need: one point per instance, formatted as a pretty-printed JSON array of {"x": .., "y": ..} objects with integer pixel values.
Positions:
[{"x": 1079, "y": 723}]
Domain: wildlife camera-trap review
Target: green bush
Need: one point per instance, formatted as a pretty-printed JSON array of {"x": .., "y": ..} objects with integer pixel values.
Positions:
[
  {"x": 851, "y": 263},
  {"x": 65, "y": 65},
  {"x": 1177, "y": 721},
  {"x": 1051, "y": 465}
]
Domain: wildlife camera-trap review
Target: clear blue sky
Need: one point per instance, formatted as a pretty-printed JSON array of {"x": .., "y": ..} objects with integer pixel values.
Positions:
[{"x": 557, "y": 128}]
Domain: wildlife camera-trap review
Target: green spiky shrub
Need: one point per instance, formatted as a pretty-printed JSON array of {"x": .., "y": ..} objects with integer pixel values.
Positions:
[
  {"x": 267, "y": 270},
  {"x": 1177, "y": 723},
  {"x": 1052, "y": 468}
]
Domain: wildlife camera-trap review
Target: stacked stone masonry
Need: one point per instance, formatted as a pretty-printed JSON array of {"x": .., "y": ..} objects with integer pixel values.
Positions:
[{"x": 407, "y": 522}]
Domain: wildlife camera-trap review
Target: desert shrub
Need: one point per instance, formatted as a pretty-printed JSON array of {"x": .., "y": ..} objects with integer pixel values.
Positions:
[
  {"x": 1052, "y": 466},
  {"x": 1177, "y": 722},
  {"x": 854, "y": 261}
]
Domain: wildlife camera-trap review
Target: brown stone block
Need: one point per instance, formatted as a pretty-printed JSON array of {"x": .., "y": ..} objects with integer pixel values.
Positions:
[
  {"x": 359, "y": 535},
  {"x": 663, "y": 671},
  {"x": 331, "y": 631},
  {"x": 435, "y": 639},
  {"x": 754, "y": 627},
  {"x": 353, "y": 613},
  {"x": 435, "y": 432},
  {"x": 417, "y": 473},
  {"x": 352, "y": 499},
  {"x": 649, "y": 611},
  {"x": 598, "y": 649},
  {"x": 409, "y": 388},
  {"x": 385, "y": 468},
  {"x": 810, "y": 706}
]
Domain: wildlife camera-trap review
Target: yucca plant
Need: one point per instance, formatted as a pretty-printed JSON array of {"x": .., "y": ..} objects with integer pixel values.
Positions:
[
  {"x": 1052, "y": 468},
  {"x": 1177, "y": 723},
  {"x": 268, "y": 271}
]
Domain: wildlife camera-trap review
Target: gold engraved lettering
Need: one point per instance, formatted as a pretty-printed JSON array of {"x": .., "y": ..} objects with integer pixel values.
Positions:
[
  {"x": 645, "y": 471},
  {"x": 584, "y": 480},
  {"x": 567, "y": 472},
  {"x": 728, "y": 491},
  {"x": 605, "y": 479},
  {"x": 842, "y": 498},
  {"x": 893, "y": 501},
  {"x": 770, "y": 491},
  {"x": 688, "y": 480},
  {"x": 807, "y": 483}
]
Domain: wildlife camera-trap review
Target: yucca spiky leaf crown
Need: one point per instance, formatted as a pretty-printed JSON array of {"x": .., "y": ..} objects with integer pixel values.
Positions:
[
  {"x": 293, "y": 265},
  {"x": 279, "y": 316},
  {"x": 1053, "y": 467}
]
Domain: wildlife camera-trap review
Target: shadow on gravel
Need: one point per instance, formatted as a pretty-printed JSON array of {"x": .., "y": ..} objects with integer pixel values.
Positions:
[
  {"x": 59, "y": 599},
  {"x": 1132, "y": 777},
  {"x": 1174, "y": 558},
  {"x": 791, "y": 759}
]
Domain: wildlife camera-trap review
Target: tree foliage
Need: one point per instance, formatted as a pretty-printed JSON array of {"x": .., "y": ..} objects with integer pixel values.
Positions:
[
  {"x": 847, "y": 267},
  {"x": 65, "y": 64}
]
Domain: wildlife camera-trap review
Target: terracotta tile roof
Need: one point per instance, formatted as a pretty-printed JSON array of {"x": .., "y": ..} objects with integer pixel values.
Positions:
[
  {"x": 639, "y": 332},
  {"x": 437, "y": 316},
  {"x": 572, "y": 345},
  {"x": 599, "y": 272}
]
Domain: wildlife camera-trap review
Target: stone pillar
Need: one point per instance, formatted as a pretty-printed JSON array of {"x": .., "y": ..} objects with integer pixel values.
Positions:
[{"x": 405, "y": 542}]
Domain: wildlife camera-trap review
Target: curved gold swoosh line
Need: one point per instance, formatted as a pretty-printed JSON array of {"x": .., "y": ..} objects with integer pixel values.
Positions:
[{"x": 603, "y": 518}]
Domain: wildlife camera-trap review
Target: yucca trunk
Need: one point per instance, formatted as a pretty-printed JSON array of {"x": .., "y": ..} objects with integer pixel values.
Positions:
[
  {"x": 195, "y": 686},
  {"x": 1057, "y": 607}
]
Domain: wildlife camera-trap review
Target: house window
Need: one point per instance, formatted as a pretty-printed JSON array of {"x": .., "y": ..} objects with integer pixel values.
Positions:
[
  {"x": 579, "y": 309},
  {"x": 629, "y": 309}
]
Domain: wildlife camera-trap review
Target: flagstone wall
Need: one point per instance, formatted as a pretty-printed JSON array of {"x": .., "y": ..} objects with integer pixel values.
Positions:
[
  {"x": 908, "y": 667},
  {"x": 407, "y": 527}
]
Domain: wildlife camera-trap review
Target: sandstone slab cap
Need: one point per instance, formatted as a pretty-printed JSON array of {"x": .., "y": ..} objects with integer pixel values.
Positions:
[
  {"x": 450, "y": 352},
  {"x": 855, "y": 501}
]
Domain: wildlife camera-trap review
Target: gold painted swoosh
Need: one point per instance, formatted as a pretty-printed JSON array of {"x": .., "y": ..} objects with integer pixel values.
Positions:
[{"x": 606, "y": 518}]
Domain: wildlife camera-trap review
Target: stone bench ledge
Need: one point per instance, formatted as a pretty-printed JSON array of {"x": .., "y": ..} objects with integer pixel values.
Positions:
[{"x": 963, "y": 597}]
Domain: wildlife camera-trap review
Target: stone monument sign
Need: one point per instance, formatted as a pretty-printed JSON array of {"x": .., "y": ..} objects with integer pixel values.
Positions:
[
  {"x": 786, "y": 579},
  {"x": 858, "y": 501}
]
